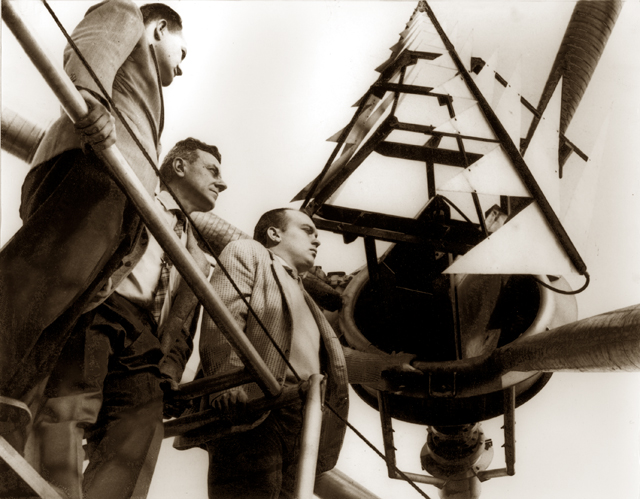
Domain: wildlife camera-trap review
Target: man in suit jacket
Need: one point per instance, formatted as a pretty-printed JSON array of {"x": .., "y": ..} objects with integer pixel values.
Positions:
[
  {"x": 106, "y": 387},
  {"x": 77, "y": 224},
  {"x": 261, "y": 462}
]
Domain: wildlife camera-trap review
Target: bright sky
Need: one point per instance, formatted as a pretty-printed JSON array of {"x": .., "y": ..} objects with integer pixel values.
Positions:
[{"x": 269, "y": 82}]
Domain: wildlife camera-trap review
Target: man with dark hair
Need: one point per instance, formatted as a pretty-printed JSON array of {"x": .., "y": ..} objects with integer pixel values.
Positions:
[
  {"x": 161, "y": 12},
  {"x": 107, "y": 387},
  {"x": 81, "y": 237},
  {"x": 261, "y": 462},
  {"x": 77, "y": 224}
]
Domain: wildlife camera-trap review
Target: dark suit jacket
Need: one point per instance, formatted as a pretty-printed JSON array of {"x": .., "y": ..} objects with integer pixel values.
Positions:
[{"x": 78, "y": 225}]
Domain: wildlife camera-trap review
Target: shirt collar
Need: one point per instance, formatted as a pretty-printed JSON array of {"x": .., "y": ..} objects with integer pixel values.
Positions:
[
  {"x": 291, "y": 271},
  {"x": 166, "y": 200}
]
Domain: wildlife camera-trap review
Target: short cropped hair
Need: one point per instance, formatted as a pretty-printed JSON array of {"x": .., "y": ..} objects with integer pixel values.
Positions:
[
  {"x": 157, "y": 11},
  {"x": 185, "y": 149},
  {"x": 274, "y": 218}
]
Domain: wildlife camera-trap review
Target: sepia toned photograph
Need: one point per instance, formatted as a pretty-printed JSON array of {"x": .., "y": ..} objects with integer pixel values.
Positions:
[{"x": 336, "y": 249}]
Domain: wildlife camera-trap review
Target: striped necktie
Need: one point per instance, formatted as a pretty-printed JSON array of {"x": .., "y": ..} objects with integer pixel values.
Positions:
[{"x": 165, "y": 272}]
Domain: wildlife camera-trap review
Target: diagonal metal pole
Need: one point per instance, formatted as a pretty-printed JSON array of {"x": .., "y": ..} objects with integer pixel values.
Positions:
[
  {"x": 310, "y": 439},
  {"x": 75, "y": 106}
]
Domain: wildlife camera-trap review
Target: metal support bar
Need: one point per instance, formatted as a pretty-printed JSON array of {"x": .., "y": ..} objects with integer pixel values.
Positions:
[
  {"x": 455, "y": 311},
  {"x": 428, "y": 479},
  {"x": 212, "y": 384},
  {"x": 489, "y": 474},
  {"x": 510, "y": 429},
  {"x": 75, "y": 106},
  {"x": 429, "y": 130},
  {"x": 372, "y": 260},
  {"x": 447, "y": 157},
  {"x": 24, "y": 470},
  {"x": 401, "y": 88},
  {"x": 213, "y": 422},
  {"x": 387, "y": 434},
  {"x": 334, "y": 484},
  {"x": 338, "y": 179},
  {"x": 310, "y": 439},
  {"x": 390, "y": 450}
]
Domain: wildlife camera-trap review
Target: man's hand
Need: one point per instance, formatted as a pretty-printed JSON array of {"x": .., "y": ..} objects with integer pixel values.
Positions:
[
  {"x": 234, "y": 400},
  {"x": 172, "y": 408},
  {"x": 98, "y": 127}
]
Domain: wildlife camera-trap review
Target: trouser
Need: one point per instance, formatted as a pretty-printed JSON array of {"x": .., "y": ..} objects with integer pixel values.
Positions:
[
  {"x": 105, "y": 389},
  {"x": 260, "y": 463}
]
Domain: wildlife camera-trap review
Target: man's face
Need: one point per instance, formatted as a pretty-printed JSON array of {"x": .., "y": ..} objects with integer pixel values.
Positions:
[
  {"x": 202, "y": 182},
  {"x": 298, "y": 244},
  {"x": 171, "y": 49}
]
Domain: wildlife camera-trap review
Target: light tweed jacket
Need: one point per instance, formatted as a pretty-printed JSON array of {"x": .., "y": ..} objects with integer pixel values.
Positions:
[{"x": 259, "y": 278}]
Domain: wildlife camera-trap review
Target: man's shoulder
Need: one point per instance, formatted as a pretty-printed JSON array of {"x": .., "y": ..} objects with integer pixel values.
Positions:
[
  {"x": 120, "y": 5},
  {"x": 246, "y": 247}
]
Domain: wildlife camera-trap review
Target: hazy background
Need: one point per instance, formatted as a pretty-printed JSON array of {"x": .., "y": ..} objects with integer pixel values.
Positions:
[{"x": 269, "y": 82}]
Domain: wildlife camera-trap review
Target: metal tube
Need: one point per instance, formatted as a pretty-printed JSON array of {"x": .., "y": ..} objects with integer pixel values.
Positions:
[
  {"x": 212, "y": 384},
  {"x": 310, "y": 442},
  {"x": 76, "y": 108},
  {"x": 510, "y": 429},
  {"x": 24, "y": 470},
  {"x": 20, "y": 137},
  {"x": 431, "y": 480},
  {"x": 489, "y": 474},
  {"x": 387, "y": 433},
  {"x": 334, "y": 484}
]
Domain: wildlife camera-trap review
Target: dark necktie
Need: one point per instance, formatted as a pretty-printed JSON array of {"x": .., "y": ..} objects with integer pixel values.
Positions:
[{"x": 165, "y": 272}]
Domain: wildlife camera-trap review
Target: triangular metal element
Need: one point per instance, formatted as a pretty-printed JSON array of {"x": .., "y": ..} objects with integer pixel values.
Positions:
[
  {"x": 524, "y": 245},
  {"x": 455, "y": 87},
  {"x": 486, "y": 79},
  {"x": 464, "y": 51},
  {"x": 471, "y": 122},
  {"x": 445, "y": 61},
  {"x": 509, "y": 108},
  {"x": 492, "y": 174},
  {"x": 542, "y": 154},
  {"x": 363, "y": 129},
  {"x": 421, "y": 110},
  {"x": 372, "y": 101},
  {"x": 426, "y": 75},
  {"x": 335, "y": 136},
  {"x": 365, "y": 124},
  {"x": 578, "y": 214}
]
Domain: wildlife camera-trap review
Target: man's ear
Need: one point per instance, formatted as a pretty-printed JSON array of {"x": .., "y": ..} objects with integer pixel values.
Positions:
[
  {"x": 179, "y": 167},
  {"x": 274, "y": 235},
  {"x": 160, "y": 29}
]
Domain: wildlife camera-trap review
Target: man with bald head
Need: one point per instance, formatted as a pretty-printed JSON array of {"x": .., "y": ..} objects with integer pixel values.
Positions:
[{"x": 261, "y": 462}]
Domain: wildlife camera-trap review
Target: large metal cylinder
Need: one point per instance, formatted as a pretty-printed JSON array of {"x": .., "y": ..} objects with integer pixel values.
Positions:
[
  {"x": 524, "y": 309},
  {"x": 20, "y": 137},
  {"x": 584, "y": 40}
]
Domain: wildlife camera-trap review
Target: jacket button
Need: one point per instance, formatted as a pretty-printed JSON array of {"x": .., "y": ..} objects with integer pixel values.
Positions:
[{"x": 127, "y": 264}]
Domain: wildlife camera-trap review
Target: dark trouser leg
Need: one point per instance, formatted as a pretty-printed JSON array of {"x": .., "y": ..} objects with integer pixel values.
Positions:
[
  {"x": 74, "y": 399},
  {"x": 259, "y": 463},
  {"x": 125, "y": 441},
  {"x": 111, "y": 355}
]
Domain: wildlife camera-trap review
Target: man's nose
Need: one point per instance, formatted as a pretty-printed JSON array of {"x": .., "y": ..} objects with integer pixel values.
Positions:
[
  {"x": 316, "y": 242},
  {"x": 220, "y": 184}
]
